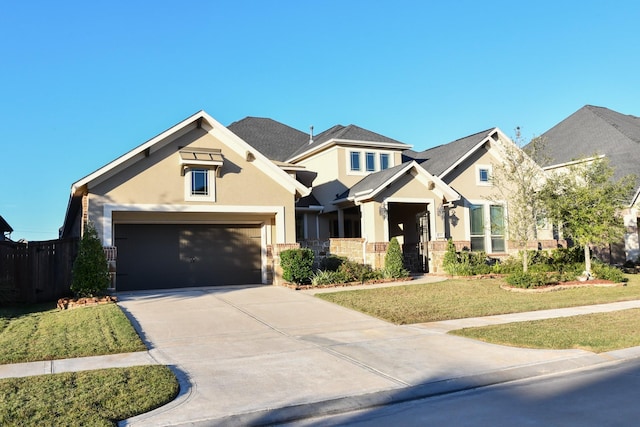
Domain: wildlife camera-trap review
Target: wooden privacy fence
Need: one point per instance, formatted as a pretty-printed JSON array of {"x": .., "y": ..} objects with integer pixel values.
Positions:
[{"x": 36, "y": 271}]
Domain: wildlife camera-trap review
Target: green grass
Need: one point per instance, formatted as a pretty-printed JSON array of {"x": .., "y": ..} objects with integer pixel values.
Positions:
[
  {"x": 43, "y": 332},
  {"x": 457, "y": 299},
  {"x": 95, "y": 398},
  {"x": 598, "y": 332}
]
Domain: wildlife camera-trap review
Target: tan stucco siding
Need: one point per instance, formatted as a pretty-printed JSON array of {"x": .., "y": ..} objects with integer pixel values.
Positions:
[
  {"x": 464, "y": 180},
  {"x": 157, "y": 180}
]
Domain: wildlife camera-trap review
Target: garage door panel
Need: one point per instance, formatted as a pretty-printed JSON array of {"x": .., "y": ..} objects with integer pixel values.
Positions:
[{"x": 152, "y": 256}]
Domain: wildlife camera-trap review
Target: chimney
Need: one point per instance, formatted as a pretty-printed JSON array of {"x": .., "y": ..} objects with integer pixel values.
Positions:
[{"x": 310, "y": 134}]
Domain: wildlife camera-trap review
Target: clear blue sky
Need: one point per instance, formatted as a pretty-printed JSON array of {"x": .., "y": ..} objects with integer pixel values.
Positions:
[{"x": 83, "y": 82}]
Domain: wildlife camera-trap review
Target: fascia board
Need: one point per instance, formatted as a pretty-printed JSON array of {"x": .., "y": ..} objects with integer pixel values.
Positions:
[{"x": 467, "y": 154}]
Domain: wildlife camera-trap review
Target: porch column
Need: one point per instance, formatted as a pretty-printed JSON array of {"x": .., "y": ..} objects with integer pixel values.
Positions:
[{"x": 340, "y": 223}]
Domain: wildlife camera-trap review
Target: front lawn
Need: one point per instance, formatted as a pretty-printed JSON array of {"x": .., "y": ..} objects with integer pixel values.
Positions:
[
  {"x": 598, "y": 332},
  {"x": 43, "y": 332},
  {"x": 91, "y": 398},
  {"x": 462, "y": 298}
]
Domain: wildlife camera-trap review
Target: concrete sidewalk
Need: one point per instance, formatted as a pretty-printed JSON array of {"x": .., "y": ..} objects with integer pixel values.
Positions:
[{"x": 267, "y": 355}]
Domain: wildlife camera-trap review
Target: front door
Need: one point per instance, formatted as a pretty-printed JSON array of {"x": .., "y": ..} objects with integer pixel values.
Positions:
[{"x": 423, "y": 247}]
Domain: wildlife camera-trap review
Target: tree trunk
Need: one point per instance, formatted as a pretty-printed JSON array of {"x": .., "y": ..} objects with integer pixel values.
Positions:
[
  {"x": 525, "y": 260},
  {"x": 587, "y": 259}
]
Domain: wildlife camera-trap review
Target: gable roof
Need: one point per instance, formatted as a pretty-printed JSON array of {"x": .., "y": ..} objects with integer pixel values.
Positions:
[
  {"x": 596, "y": 130},
  {"x": 374, "y": 183},
  {"x": 275, "y": 140},
  {"x": 442, "y": 159},
  {"x": 351, "y": 135}
]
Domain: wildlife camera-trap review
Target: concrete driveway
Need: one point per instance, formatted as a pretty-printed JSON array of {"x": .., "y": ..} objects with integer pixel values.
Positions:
[{"x": 262, "y": 355}]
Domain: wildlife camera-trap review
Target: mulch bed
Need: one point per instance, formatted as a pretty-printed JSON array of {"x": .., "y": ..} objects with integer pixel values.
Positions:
[
  {"x": 68, "y": 303},
  {"x": 343, "y": 285},
  {"x": 564, "y": 285}
]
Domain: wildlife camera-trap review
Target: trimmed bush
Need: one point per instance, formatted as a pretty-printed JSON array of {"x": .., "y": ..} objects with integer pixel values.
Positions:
[
  {"x": 331, "y": 263},
  {"x": 297, "y": 265},
  {"x": 393, "y": 261},
  {"x": 607, "y": 272},
  {"x": 90, "y": 273},
  {"x": 527, "y": 280}
]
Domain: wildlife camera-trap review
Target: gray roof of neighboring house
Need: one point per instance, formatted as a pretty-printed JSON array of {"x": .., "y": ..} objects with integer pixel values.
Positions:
[
  {"x": 596, "y": 130},
  {"x": 273, "y": 139},
  {"x": 349, "y": 133},
  {"x": 438, "y": 159},
  {"x": 307, "y": 201},
  {"x": 372, "y": 181}
]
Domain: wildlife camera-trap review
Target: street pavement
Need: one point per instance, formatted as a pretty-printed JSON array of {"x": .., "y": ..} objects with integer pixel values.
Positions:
[{"x": 260, "y": 355}]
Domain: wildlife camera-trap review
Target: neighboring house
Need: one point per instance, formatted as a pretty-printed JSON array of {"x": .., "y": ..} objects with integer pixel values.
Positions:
[
  {"x": 596, "y": 131},
  {"x": 205, "y": 204},
  {"x": 5, "y": 229}
]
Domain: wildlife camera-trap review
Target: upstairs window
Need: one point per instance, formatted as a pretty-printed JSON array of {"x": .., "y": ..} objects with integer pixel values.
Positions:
[
  {"x": 355, "y": 160},
  {"x": 483, "y": 174},
  {"x": 384, "y": 161},
  {"x": 371, "y": 162},
  {"x": 199, "y": 182}
]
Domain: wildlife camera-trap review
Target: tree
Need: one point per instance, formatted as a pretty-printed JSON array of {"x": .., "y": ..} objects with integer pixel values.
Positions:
[
  {"x": 585, "y": 202},
  {"x": 517, "y": 180},
  {"x": 393, "y": 265},
  {"x": 90, "y": 273}
]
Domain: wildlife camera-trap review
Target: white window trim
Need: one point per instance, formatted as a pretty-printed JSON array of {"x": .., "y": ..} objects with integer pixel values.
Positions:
[
  {"x": 363, "y": 160},
  {"x": 489, "y": 170},
  {"x": 211, "y": 184}
]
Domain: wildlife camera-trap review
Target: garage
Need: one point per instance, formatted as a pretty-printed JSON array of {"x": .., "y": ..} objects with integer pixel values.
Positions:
[{"x": 162, "y": 256}]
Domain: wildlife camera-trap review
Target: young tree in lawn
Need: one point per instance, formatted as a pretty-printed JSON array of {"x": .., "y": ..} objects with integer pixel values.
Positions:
[
  {"x": 585, "y": 202},
  {"x": 517, "y": 180}
]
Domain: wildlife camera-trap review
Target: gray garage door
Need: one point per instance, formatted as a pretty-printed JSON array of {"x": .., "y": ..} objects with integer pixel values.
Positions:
[{"x": 161, "y": 256}]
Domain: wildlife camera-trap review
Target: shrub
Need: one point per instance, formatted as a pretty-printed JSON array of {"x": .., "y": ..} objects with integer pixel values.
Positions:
[
  {"x": 527, "y": 280},
  {"x": 324, "y": 277},
  {"x": 393, "y": 261},
  {"x": 90, "y": 273},
  {"x": 331, "y": 263},
  {"x": 450, "y": 260},
  {"x": 297, "y": 265},
  {"x": 607, "y": 272},
  {"x": 351, "y": 271}
]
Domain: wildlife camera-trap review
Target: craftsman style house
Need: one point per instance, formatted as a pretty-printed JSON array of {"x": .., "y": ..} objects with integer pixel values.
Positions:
[{"x": 204, "y": 204}]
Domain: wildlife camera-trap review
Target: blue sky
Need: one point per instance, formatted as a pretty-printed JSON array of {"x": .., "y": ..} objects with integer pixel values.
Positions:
[{"x": 83, "y": 82}]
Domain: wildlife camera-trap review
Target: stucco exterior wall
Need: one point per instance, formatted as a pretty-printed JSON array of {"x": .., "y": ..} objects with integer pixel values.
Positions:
[{"x": 157, "y": 180}]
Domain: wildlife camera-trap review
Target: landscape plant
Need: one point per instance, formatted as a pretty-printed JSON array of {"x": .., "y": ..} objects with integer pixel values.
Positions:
[
  {"x": 393, "y": 261},
  {"x": 297, "y": 265},
  {"x": 585, "y": 201},
  {"x": 90, "y": 273}
]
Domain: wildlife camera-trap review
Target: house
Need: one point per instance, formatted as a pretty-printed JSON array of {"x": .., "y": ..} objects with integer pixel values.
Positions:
[
  {"x": 5, "y": 229},
  {"x": 205, "y": 204},
  {"x": 195, "y": 205},
  {"x": 596, "y": 131}
]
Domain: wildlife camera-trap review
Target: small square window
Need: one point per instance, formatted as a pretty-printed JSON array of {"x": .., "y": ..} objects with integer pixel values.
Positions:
[
  {"x": 484, "y": 175},
  {"x": 199, "y": 185},
  {"x": 371, "y": 162},
  {"x": 355, "y": 160}
]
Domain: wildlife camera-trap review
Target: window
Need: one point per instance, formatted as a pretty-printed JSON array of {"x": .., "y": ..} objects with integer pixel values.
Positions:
[
  {"x": 371, "y": 162},
  {"x": 199, "y": 185},
  {"x": 199, "y": 182},
  {"x": 384, "y": 161},
  {"x": 483, "y": 175},
  {"x": 497, "y": 228},
  {"x": 355, "y": 160},
  {"x": 492, "y": 238},
  {"x": 477, "y": 227}
]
